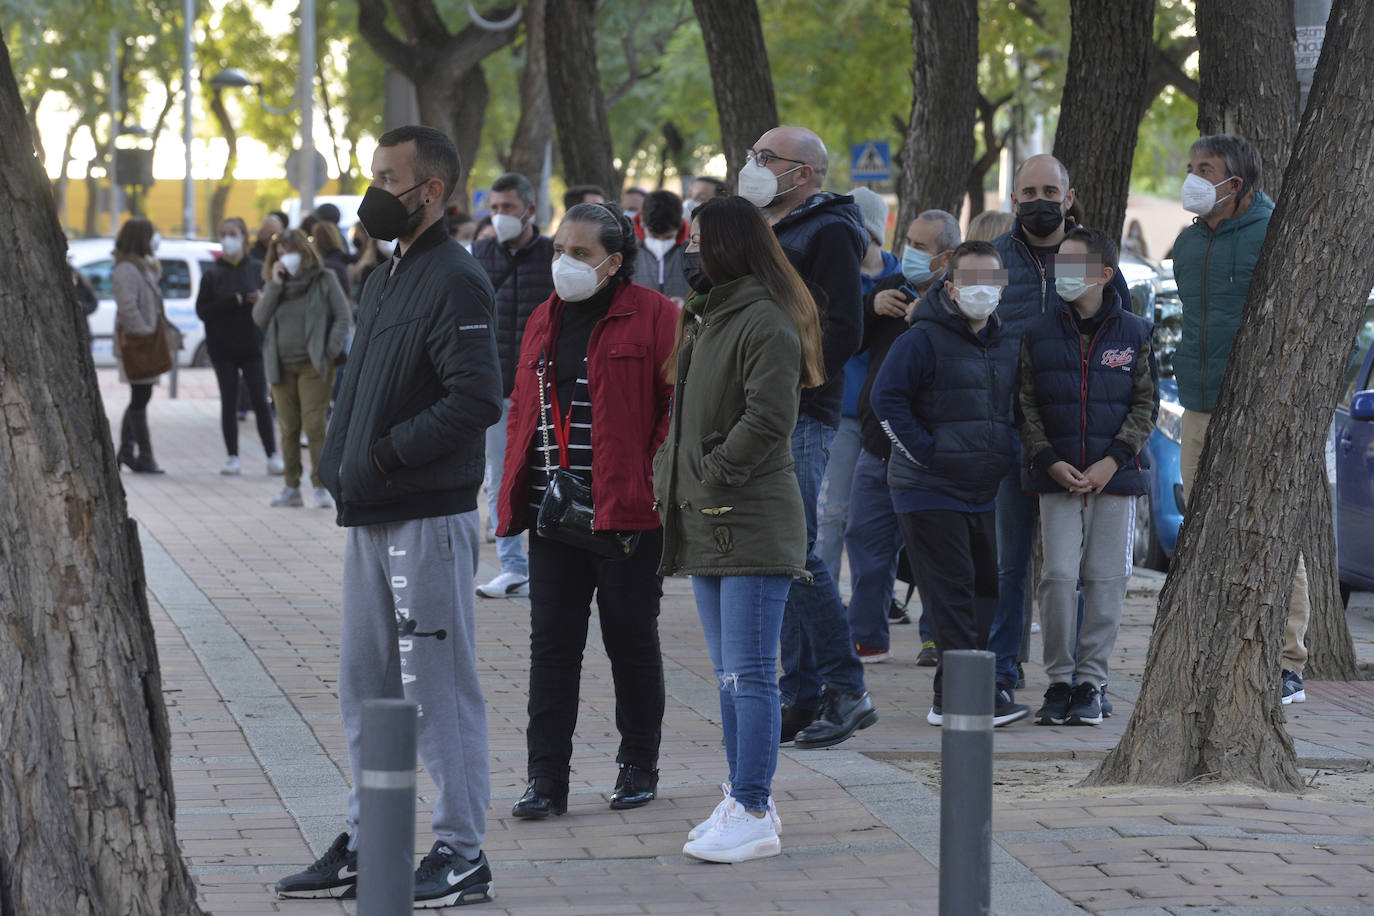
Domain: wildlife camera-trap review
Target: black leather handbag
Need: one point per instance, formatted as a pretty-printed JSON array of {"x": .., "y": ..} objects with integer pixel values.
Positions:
[{"x": 566, "y": 513}]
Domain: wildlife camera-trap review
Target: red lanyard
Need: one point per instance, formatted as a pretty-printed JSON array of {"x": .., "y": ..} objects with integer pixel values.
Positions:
[{"x": 562, "y": 429}]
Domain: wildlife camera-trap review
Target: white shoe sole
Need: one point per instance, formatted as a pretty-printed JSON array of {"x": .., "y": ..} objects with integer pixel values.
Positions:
[
  {"x": 999, "y": 721},
  {"x": 935, "y": 718},
  {"x": 754, "y": 849},
  {"x": 1299, "y": 697},
  {"x": 874, "y": 659},
  {"x": 475, "y": 894},
  {"x": 520, "y": 591},
  {"x": 321, "y": 894}
]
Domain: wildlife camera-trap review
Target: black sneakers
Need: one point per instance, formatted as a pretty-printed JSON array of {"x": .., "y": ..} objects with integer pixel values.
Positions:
[
  {"x": 1005, "y": 709},
  {"x": 445, "y": 878},
  {"x": 929, "y": 657},
  {"x": 1085, "y": 707},
  {"x": 896, "y": 613},
  {"x": 1056, "y": 706},
  {"x": 333, "y": 874}
]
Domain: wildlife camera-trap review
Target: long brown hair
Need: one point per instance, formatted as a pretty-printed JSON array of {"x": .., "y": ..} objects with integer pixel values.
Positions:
[
  {"x": 737, "y": 241},
  {"x": 293, "y": 240}
]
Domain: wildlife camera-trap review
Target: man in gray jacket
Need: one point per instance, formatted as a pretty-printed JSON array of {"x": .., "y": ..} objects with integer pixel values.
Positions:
[{"x": 403, "y": 460}]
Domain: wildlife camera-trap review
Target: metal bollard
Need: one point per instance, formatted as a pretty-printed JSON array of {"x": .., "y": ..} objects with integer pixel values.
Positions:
[
  {"x": 386, "y": 817},
  {"x": 966, "y": 783}
]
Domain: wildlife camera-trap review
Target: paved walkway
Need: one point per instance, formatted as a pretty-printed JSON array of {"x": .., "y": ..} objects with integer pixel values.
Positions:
[{"x": 245, "y": 602}]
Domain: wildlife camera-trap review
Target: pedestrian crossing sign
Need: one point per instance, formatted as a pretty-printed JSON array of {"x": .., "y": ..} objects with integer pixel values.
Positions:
[{"x": 870, "y": 161}]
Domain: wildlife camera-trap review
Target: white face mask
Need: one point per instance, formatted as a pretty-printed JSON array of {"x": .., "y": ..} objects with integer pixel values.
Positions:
[
  {"x": 688, "y": 206},
  {"x": 291, "y": 261},
  {"x": 759, "y": 185},
  {"x": 978, "y": 302},
  {"x": 659, "y": 247},
  {"x": 1200, "y": 195},
  {"x": 156, "y": 241},
  {"x": 1070, "y": 288},
  {"x": 467, "y": 245},
  {"x": 232, "y": 245},
  {"x": 386, "y": 248},
  {"x": 575, "y": 280},
  {"x": 507, "y": 227}
]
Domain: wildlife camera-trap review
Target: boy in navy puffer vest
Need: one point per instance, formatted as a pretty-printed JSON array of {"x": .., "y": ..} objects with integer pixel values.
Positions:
[{"x": 1088, "y": 401}]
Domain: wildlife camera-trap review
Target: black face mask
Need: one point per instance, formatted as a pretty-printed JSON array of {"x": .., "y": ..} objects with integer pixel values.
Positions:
[
  {"x": 383, "y": 215},
  {"x": 691, "y": 269},
  {"x": 1040, "y": 217}
]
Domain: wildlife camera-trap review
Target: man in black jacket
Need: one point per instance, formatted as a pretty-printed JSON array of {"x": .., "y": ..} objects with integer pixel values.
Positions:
[
  {"x": 519, "y": 262},
  {"x": 403, "y": 461},
  {"x": 824, "y": 237}
]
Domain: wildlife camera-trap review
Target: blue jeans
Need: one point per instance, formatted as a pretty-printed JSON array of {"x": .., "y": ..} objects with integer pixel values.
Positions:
[
  {"x": 511, "y": 551},
  {"x": 873, "y": 539},
  {"x": 832, "y": 506},
  {"x": 816, "y": 648},
  {"x": 741, "y": 617},
  {"x": 1016, "y": 520}
]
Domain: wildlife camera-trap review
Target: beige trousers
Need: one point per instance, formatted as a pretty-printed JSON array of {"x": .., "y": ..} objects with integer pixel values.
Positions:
[{"x": 1299, "y": 607}]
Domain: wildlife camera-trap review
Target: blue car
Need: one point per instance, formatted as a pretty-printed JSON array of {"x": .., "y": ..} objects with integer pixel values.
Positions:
[
  {"x": 1159, "y": 513},
  {"x": 1351, "y": 451}
]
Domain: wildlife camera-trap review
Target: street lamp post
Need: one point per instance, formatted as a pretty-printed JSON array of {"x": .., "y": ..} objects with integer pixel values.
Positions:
[{"x": 188, "y": 191}]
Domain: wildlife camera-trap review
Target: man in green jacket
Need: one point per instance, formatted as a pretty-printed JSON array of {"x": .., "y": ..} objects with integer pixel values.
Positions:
[{"x": 1214, "y": 260}]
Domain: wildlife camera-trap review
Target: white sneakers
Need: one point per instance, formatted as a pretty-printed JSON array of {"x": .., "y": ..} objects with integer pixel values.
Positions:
[
  {"x": 322, "y": 498},
  {"x": 289, "y": 496},
  {"x": 736, "y": 836},
  {"x": 700, "y": 829},
  {"x": 232, "y": 466},
  {"x": 275, "y": 466},
  {"x": 506, "y": 585}
]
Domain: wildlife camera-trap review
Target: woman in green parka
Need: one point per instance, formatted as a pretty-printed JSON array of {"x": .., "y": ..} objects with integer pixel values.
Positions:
[{"x": 748, "y": 340}]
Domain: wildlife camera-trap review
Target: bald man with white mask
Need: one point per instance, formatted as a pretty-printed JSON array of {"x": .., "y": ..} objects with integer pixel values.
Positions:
[{"x": 824, "y": 237}]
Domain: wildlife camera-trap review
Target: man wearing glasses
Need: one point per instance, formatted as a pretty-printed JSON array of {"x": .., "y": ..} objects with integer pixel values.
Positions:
[{"x": 824, "y": 237}]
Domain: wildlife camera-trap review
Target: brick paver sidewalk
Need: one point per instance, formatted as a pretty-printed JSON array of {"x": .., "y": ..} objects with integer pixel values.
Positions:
[{"x": 245, "y": 601}]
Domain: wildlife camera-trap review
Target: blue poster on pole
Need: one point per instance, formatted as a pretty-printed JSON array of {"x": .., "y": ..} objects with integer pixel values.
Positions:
[{"x": 870, "y": 161}]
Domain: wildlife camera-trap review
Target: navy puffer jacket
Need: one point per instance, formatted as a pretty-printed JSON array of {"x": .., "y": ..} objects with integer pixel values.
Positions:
[{"x": 523, "y": 279}]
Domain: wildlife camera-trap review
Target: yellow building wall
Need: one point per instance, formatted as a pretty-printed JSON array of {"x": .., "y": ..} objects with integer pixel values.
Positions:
[{"x": 162, "y": 204}]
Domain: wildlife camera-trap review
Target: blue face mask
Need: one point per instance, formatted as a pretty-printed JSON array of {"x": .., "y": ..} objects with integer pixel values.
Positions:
[{"x": 916, "y": 265}]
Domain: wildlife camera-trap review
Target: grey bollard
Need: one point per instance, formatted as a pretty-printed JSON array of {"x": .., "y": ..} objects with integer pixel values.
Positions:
[
  {"x": 386, "y": 817},
  {"x": 966, "y": 783}
]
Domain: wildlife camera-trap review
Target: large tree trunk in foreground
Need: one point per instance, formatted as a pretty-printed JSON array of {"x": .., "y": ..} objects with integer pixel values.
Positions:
[
  {"x": 1099, "y": 116},
  {"x": 935, "y": 156},
  {"x": 85, "y": 769},
  {"x": 579, "y": 105},
  {"x": 1209, "y": 704},
  {"x": 740, "y": 76},
  {"x": 1248, "y": 78}
]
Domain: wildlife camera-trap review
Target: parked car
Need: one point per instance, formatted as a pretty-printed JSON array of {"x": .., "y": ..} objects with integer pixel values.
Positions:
[
  {"x": 183, "y": 263},
  {"x": 1351, "y": 446}
]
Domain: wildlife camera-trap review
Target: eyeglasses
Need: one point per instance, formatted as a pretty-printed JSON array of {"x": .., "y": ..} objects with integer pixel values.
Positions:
[{"x": 763, "y": 157}]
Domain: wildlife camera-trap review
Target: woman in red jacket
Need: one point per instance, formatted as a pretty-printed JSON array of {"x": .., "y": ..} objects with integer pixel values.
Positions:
[{"x": 597, "y": 348}]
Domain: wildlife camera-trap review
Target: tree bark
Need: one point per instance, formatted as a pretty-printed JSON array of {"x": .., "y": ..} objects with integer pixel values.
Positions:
[
  {"x": 535, "y": 127},
  {"x": 225, "y": 185},
  {"x": 993, "y": 142},
  {"x": 1248, "y": 78},
  {"x": 86, "y": 802},
  {"x": 1330, "y": 650},
  {"x": 579, "y": 104},
  {"x": 740, "y": 75},
  {"x": 445, "y": 68},
  {"x": 938, "y": 148},
  {"x": 1209, "y": 703},
  {"x": 1099, "y": 115}
]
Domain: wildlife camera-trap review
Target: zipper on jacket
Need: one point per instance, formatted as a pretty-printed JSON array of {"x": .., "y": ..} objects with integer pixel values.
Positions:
[
  {"x": 1038, "y": 266},
  {"x": 1206, "y": 262},
  {"x": 1083, "y": 388}
]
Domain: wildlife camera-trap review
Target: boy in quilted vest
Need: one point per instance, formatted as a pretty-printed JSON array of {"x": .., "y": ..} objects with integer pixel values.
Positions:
[{"x": 1088, "y": 400}]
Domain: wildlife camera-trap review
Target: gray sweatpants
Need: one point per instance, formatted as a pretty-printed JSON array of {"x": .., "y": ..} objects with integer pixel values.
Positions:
[
  {"x": 1087, "y": 538},
  {"x": 420, "y": 570}
]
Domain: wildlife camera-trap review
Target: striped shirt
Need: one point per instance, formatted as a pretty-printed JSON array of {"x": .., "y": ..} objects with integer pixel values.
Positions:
[{"x": 579, "y": 438}]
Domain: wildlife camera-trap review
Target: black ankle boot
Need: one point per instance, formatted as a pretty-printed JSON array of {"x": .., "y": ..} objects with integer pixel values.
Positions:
[
  {"x": 127, "y": 454},
  {"x": 634, "y": 787},
  {"x": 144, "y": 463},
  {"x": 543, "y": 797}
]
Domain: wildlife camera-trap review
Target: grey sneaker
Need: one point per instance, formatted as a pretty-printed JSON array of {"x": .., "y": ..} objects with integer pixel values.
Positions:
[
  {"x": 289, "y": 496},
  {"x": 322, "y": 498},
  {"x": 1293, "y": 691}
]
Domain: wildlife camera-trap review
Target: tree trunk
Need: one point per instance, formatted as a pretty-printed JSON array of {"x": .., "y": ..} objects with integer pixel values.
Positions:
[
  {"x": 1099, "y": 115},
  {"x": 740, "y": 76},
  {"x": 1209, "y": 703},
  {"x": 535, "y": 127},
  {"x": 579, "y": 105},
  {"x": 86, "y": 799},
  {"x": 1248, "y": 78},
  {"x": 225, "y": 185},
  {"x": 938, "y": 148},
  {"x": 1330, "y": 651},
  {"x": 445, "y": 68}
]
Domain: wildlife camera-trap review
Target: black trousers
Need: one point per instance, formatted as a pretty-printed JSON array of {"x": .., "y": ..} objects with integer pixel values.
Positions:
[
  {"x": 953, "y": 557},
  {"x": 227, "y": 371},
  {"x": 562, "y": 582}
]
